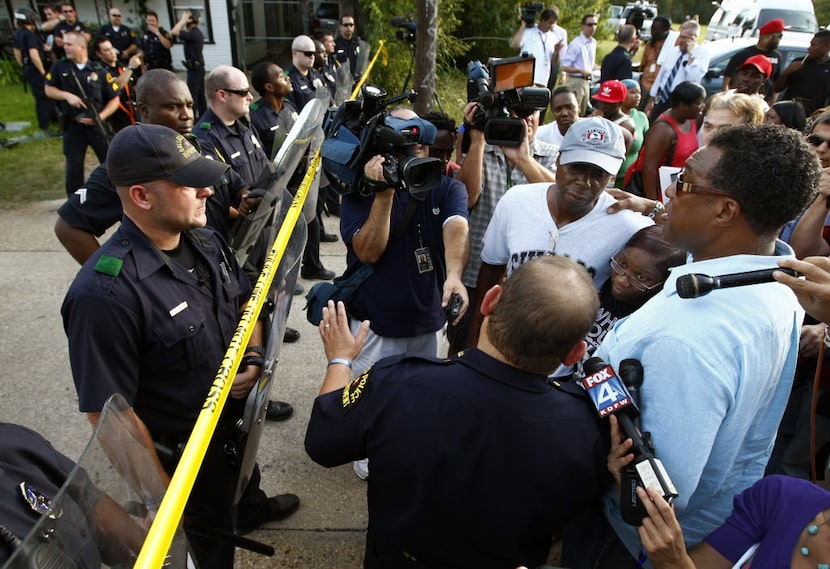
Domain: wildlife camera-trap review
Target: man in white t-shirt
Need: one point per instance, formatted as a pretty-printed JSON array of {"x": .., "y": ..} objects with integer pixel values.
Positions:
[
  {"x": 565, "y": 109},
  {"x": 567, "y": 218},
  {"x": 539, "y": 41}
]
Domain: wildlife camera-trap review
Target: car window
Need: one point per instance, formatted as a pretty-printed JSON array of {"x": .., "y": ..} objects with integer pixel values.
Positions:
[{"x": 795, "y": 21}]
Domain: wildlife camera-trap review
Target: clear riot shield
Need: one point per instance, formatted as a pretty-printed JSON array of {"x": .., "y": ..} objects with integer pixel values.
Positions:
[
  {"x": 344, "y": 83},
  {"x": 362, "y": 62},
  {"x": 112, "y": 495},
  {"x": 246, "y": 233}
]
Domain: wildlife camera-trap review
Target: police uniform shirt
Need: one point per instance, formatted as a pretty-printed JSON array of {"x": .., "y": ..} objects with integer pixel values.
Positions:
[
  {"x": 238, "y": 146},
  {"x": 305, "y": 86},
  {"x": 271, "y": 125},
  {"x": 155, "y": 54},
  {"x": 194, "y": 41},
  {"x": 141, "y": 325},
  {"x": 474, "y": 463},
  {"x": 27, "y": 457},
  {"x": 120, "y": 39},
  {"x": 93, "y": 79},
  {"x": 25, "y": 39},
  {"x": 349, "y": 49}
]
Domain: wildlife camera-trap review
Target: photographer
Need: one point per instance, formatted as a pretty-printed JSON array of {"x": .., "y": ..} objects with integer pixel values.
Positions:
[
  {"x": 537, "y": 40},
  {"x": 415, "y": 273}
]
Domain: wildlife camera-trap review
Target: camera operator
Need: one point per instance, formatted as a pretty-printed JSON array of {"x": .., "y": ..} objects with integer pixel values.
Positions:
[
  {"x": 416, "y": 273},
  {"x": 539, "y": 41},
  {"x": 487, "y": 172}
]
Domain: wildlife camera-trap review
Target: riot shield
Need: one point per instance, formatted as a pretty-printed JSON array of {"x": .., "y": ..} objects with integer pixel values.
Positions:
[
  {"x": 344, "y": 84},
  {"x": 275, "y": 179},
  {"x": 276, "y": 307},
  {"x": 100, "y": 516},
  {"x": 362, "y": 62}
]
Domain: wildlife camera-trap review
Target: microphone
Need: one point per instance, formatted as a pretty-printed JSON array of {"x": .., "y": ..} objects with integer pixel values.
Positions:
[
  {"x": 697, "y": 284},
  {"x": 610, "y": 397},
  {"x": 631, "y": 372}
]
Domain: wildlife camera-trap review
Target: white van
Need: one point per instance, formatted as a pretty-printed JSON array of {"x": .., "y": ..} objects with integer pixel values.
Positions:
[{"x": 743, "y": 18}]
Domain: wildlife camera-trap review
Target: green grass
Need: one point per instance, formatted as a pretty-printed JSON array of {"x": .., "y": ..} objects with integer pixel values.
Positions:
[{"x": 33, "y": 170}]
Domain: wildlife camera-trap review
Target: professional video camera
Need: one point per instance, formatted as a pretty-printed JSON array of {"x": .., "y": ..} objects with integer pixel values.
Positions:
[
  {"x": 498, "y": 97},
  {"x": 357, "y": 130},
  {"x": 529, "y": 12},
  {"x": 407, "y": 31}
]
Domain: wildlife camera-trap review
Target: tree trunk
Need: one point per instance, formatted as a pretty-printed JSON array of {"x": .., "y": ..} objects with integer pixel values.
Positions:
[{"x": 426, "y": 46}]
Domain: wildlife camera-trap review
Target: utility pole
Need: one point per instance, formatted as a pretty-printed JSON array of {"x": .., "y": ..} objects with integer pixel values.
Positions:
[{"x": 426, "y": 49}]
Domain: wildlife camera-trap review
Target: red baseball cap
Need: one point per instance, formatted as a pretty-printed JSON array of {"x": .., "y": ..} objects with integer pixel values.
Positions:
[
  {"x": 612, "y": 91},
  {"x": 759, "y": 62},
  {"x": 772, "y": 27}
]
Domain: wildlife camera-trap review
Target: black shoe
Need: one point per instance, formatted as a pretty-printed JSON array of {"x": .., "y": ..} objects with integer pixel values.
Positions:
[
  {"x": 298, "y": 289},
  {"x": 290, "y": 335},
  {"x": 321, "y": 274},
  {"x": 328, "y": 237},
  {"x": 277, "y": 508},
  {"x": 278, "y": 411}
]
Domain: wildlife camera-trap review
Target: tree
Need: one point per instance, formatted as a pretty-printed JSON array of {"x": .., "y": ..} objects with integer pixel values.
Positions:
[{"x": 426, "y": 46}]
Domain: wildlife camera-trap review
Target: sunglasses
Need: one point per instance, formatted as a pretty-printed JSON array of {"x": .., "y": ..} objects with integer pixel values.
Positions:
[
  {"x": 349, "y": 25},
  {"x": 309, "y": 53},
  {"x": 589, "y": 24},
  {"x": 67, "y": 11},
  {"x": 816, "y": 140},
  {"x": 115, "y": 15},
  {"x": 240, "y": 92},
  {"x": 682, "y": 186}
]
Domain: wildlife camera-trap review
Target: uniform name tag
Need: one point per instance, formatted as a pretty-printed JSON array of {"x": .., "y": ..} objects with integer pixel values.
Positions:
[
  {"x": 177, "y": 309},
  {"x": 235, "y": 154}
]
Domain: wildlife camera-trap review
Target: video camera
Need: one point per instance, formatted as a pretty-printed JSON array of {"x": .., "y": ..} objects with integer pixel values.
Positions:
[
  {"x": 498, "y": 97},
  {"x": 529, "y": 12},
  {"x": 407, "y": 31},
  {"x": 357, "y": 130}
]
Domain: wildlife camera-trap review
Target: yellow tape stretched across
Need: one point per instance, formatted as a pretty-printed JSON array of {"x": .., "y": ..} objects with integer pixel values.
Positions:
[{"x": 160, "y": 536}]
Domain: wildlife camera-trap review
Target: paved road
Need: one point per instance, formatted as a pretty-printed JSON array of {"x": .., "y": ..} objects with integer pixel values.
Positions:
[{"x": 37, "y": 391}]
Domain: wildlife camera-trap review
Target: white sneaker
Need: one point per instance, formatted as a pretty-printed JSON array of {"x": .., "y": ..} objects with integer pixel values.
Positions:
[{"x": 361, "y": 468}]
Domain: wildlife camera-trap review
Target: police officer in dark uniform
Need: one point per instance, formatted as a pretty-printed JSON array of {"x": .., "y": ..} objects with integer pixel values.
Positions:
[
  {"x": 151, "y": 313},
  {"x": 479, "y": 460},
  {"x": 69, "y": 23},
  {"x": 155, "y": 44},
  {"x": 122, "y": 37},
  {"x": 272, "y": 116},
  {"x": 347, "y": 45},
  {"x": 73, "y": 81},
  {"x": 29, "y": 53},
  {"x": 120, "y": 75},
  {"x": 187, "y": 30}
]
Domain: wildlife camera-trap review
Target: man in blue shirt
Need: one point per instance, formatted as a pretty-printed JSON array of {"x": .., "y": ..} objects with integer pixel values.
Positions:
[{"x": 719, "y": 368}]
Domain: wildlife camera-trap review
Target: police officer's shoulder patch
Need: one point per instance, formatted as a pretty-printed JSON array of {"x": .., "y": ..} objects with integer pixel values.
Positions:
[
  {"x": 254, "y": 106},
  {"x": 109, "y": 265},
  {"x": 353, "y": 391},
  {"x": 205, "y": 125}
]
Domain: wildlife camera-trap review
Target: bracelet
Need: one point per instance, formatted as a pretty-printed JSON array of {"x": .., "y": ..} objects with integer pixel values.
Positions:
[
  {"x": 658, "y": 207},
  {"x": 255, "y": 349},
  {"x": 343, "y": 361}
]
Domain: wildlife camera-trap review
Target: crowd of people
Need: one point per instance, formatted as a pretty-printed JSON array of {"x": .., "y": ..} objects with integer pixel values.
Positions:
[{"x": 550, "y": 263}]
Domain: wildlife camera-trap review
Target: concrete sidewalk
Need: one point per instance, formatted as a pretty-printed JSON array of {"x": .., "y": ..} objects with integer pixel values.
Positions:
[{"x": 37, "y": 391}]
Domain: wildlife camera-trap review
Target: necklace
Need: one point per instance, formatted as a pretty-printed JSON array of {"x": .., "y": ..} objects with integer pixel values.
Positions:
[{"x": 813, "y": 530}]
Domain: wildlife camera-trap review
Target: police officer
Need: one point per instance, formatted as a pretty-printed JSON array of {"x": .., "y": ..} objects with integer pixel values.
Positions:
[
  {"x": 470, "y": 456},
  {"x": 82, "y": 86},
  {"x": 187, "y": 30},
  {"x": 68, "y": 23},
  {"x": 304, "y": 78},
  {"x": 29, "y": 53},
  {"x": 121, "y": 76},
  {"x": 155, "y": 44},
  {"x": 347, "y": 45},
  {"x": 122, "y": 37},
  {"x": 272, "y": 116},
  {"x": 150, "y": 315}
]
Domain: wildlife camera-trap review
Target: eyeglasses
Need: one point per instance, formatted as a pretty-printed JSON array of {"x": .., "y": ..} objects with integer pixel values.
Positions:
[
  {"x": 240, "y": 92},
  {"x": 115, "y": 15},
  {"x": 67, "y": 11},
  {"x": 348, "y": 25},
  {"x": 816, "y": 140},
  {"x": 579, "y": 169},
  {"x": 682, "y": 186},
  {"x": 637, "y": 281},
  {"x": 589, "y": 24},
  {"x": 309, "y": 53}
]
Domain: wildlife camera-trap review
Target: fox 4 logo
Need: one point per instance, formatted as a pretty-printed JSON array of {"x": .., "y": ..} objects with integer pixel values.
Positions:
[{"x": 607, "y": 391}]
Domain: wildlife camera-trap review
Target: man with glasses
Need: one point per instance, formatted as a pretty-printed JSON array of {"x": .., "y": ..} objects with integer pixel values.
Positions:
[
  {"x": 579, "y": 61},
  {"x": 304, "y": 78},
  {"x": 567, "y": 218},
  {"x": 718, "y": 368},
  {"x": 68, "y": 23},
  {"x": 686, "y": 61},
  {"x": 347, "y": 45},
  {"x": 122, "y": 38}
]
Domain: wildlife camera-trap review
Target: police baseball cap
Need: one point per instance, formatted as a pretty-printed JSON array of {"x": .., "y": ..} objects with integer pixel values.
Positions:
[
  {"x": 594, "y": 140},
  {"x": 142, "y": 153}
]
